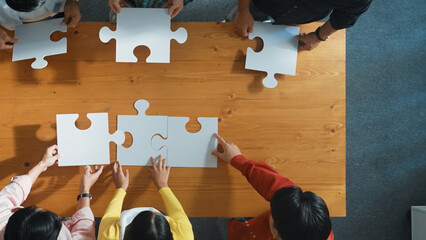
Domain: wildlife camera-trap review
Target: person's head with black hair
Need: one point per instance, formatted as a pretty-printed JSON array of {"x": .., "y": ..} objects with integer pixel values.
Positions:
[
  {"x": 148, "y": 225},
  {"x": 298, "y": 215},
  {"x": 25, "y": 5},
  {"x": 32, "y": 223}
]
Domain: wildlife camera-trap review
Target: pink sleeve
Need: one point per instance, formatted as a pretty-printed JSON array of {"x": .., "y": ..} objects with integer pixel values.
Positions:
[
  {"x": 82, "y": 224},
  {"x": 15, "y": 193}
]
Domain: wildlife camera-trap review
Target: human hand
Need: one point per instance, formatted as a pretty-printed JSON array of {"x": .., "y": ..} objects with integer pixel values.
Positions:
[
  {"x": 89, "y": 178},
  {"x": 307, "y": 41},
  {"x": 160, "y": 172},
  {"x": 116, "y": 5},
  {"x": 6, "y": 42},
  {"x": 50, "y": 157},
  {"x": 72, "y": 13},
  {"x": 244, "y": 23},
  {"x": 229, "y": 151},
  {"x": 120, "y": 180},
  {"x": 175, "y": 6}
]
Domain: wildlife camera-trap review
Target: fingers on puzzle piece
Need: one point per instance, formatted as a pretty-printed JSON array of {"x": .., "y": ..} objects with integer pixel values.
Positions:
[{"x": 142, "y": 127}]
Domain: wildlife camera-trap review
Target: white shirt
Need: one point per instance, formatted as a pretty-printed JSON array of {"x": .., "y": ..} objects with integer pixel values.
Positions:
[{"x": 9, "y": 17}]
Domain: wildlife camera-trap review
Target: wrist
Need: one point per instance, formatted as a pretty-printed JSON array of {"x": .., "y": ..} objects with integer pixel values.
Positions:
[
  {"x": 84, "y": 195},
  {"x": 319, "y": 35},
  {"x": 160, "y": 186},
  {"x": 43, "y": 166},
  {"x": 84, "y": 190}
]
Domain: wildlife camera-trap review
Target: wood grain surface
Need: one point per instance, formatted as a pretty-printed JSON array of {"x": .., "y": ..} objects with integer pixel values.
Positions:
[{"x": 297, "y": 127}]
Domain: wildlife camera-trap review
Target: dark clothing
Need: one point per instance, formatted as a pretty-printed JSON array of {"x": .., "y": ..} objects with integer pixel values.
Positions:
[{"x": 344, "y": 13}]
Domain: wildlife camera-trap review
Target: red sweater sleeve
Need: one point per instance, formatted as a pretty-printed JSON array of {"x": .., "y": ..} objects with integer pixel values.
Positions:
[{"x": 261, "y": 176}]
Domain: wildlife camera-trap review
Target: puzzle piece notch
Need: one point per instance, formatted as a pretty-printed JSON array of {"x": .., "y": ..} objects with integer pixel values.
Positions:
[
  {"x": 131, "y": 34},
  {"x": 279, "y": 53},
  {"x": 187, "y": 149},
  {"x": 142, "y": 127},
  {"x": 34, "y": 42},
  {"x": 85, "y": 147}
]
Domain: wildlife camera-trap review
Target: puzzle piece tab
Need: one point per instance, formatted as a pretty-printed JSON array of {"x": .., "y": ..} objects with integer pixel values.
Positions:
[
  {"x": 143, "y": 26},
  {"x": 34, "y": 42},
  {"x": 142, "y": 128},
  {"x": 279, "y": 53},
  {"x": 85, "y": 147}
]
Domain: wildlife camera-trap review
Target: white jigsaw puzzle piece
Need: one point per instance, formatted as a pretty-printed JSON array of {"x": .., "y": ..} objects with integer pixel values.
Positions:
[
  {"x": 187, "y": 149},
  {"x": 279, "y": 53},
  {"x": 85, "y": 147},
  {"x": 34, "y": 42},
  {"x": 143, "y": 26},
  {"x": 142, "y": 128}
]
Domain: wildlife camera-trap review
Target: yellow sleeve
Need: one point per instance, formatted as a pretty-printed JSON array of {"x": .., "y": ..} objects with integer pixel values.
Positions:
[
  {"x": 179, "y": 223},
  {"x": 109, "y": 227}
]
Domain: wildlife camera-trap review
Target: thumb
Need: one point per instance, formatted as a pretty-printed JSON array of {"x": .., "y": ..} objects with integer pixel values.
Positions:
[
  {"x": 218, "y": 154},
  {"x": 127, "y": 173},
  {"x": 99, "y": 171},
  {"x": 65, "y": 21}
]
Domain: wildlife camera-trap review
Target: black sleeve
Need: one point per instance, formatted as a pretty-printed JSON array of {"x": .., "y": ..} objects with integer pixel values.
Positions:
[{"x": 346, "y": 16}]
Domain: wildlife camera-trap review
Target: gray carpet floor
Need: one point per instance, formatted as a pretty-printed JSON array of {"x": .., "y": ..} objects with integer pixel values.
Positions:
[{"x": 386, "y": 115}]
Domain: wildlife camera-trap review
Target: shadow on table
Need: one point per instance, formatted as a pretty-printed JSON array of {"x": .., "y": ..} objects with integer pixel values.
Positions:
[
  {"x": 28, "y": 150},
  {"x": 255, "y": 86},
  {"x": 139, "y": 185}
]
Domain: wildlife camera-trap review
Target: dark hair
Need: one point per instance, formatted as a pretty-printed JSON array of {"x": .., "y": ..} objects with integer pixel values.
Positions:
[
  {"x": 300, "y": 215},
  {"x": 25, "y": 5},
  {"x": 32, "y": 224},
  {"x": 148, "y": 225}
]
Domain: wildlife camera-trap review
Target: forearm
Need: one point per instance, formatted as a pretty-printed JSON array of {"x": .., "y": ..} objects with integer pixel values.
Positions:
[
  {"x": 243, "y": 5},
  {"x": 263, "y": 178},
  {"x": 83, "y": 202},
  {"x": 327, "y": 30},
  {"x": 36, "y": 171},
  {"x": 173, "y": 207}
]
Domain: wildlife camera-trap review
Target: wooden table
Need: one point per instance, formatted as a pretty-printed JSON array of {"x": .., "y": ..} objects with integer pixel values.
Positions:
[{"x": 297, "y": 127}]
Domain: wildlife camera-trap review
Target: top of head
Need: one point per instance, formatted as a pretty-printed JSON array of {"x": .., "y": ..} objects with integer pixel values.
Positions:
[
  {"x": 25, "y": 5},
  {"x": 300, "y": 215},
  {"x": 148, "y": 225},
  {"x": 32, "y": 223}
]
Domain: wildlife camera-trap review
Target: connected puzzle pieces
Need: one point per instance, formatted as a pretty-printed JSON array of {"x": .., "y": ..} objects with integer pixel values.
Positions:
[
  {"x": 279, "y": 53},
  {"x": 154, "y": 135},
  {"x": 142, "y": 128},
  {"x": 85, "y": 147},
  {"x": 143, "y": 26},
  {"x": 34, "y": 42}
]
